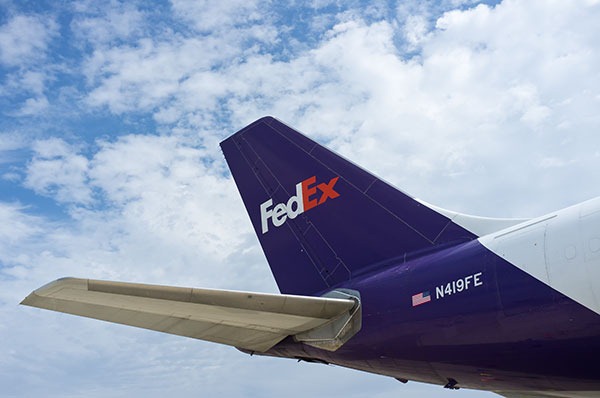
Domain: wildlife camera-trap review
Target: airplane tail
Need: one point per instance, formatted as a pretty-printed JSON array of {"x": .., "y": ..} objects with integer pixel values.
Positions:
[{"x": 321, "y": 220}]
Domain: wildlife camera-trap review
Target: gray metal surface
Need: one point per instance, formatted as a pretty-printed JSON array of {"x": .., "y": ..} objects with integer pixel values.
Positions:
[{"x": 252, "y": 321}]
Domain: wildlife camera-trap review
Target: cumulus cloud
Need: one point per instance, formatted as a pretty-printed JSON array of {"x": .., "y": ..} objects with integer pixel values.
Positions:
[
  {"x": 104, "y": 24},
  {"x": 471, "y": 75},
  {"x": 165, "y": 190},
  {"x": 146, "y": 197},
  {"x": 33, "y": 81},
  {"x": 10, "y": 141},
  {"x": 17, "y": 226},
  {"x": 34, "y": 106},
  {"x": 24, "y": 39},
  {"x": 148, "y": 75},
  {"x": 57, "y": 170},
  {"x": 208, "y": 17},
  {"x": 24, "y": 45}
]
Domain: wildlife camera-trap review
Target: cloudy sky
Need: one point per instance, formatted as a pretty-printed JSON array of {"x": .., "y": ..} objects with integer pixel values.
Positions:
[{"x": 111, "y": 115}]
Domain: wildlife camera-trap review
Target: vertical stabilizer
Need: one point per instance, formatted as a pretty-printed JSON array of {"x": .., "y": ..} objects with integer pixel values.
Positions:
[{"x": 321, "y": 219}]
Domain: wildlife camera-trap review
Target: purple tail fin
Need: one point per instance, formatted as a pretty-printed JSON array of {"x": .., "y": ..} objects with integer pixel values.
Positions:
[{"x": 322, "y": 220}]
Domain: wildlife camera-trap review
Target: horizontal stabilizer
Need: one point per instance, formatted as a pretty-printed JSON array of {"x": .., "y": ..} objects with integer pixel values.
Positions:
[{"x": 252, "y": 321}]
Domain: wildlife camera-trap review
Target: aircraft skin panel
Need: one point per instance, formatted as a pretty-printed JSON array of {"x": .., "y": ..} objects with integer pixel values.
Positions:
[
  {"x": 436, "y": 299},
  {"x": 480, "y": 226},
  {"x": 505, "y": 331},
  {"x": 313, "y": 230},
  {"x": 247, "y": 320},
  {"x": 561, "y": 249},
  {"x": 503, "y": 305}
]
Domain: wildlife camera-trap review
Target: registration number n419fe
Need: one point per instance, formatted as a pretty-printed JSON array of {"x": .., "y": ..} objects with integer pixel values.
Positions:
[{"x": 459, "y": 285}]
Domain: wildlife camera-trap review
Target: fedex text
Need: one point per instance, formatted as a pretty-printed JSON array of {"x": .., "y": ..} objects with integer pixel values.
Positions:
[{"x": 309, "y": 194}]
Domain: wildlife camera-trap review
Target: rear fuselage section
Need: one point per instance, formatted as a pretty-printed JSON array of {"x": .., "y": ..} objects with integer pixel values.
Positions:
[{"x": 469, "y": 313}]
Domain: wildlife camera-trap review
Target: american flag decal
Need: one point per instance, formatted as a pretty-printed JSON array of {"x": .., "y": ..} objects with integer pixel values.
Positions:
[{"x": 421, "y": 298}]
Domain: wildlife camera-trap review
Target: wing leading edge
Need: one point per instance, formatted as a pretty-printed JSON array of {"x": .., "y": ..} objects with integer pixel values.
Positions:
[{"x": 252, "y": 321}]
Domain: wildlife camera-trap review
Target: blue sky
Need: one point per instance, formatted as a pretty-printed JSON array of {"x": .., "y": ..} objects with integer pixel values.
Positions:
[{"x": 110, "y": 167}]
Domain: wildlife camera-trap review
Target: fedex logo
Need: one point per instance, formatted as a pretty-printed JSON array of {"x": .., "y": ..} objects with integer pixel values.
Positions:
[{"x": 309, "y": 194}]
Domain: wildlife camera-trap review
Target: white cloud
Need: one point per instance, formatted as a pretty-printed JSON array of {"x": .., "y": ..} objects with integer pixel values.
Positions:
[
  {"x": 30, "y": 83},
  {"x": 16, "y": 225},
  {"x": 415, "y": 30},
  {"x": 147, "y": 200},
  {"x": 476, "y": 92},
  {"x": 148, "y": 75},
  {"x": 479, "y": 85},
  {"x": 24, "y": 44},
  {"x": 10, "y": 141},
  {"x": 208, "y": 16},
  {"x": 33, "y": 81},
  {"x": 103, "y": 24},
  {"x": 57, "y": 170},
  {"x": 34, "y": 106},
  {"x": 164, "y": 190},
  {"x": 24, "y": 39}
]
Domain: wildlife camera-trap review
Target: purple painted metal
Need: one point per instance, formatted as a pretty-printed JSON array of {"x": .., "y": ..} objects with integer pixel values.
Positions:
[
  {"x": 506, "y": 331},
  {"x": 512, "y": 332},
  {"x": 367, "y": 226}
]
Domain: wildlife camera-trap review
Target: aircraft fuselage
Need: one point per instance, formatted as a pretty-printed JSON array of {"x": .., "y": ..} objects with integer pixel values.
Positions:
[{"x": 469, "y": 314}]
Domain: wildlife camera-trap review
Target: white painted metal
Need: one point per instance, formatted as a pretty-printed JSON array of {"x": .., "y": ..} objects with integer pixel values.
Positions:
[
  {"x": 480, "y": 226},
  {"x": 561, "y": 249}
]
